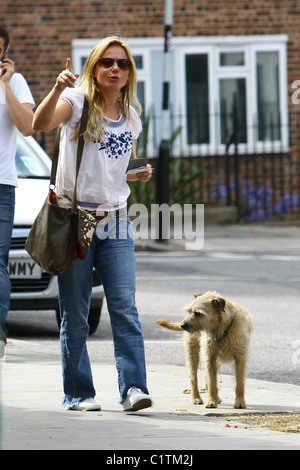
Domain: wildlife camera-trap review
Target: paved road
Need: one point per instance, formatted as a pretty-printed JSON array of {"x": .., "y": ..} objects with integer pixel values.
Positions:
[{"x": 267, "y": 284}]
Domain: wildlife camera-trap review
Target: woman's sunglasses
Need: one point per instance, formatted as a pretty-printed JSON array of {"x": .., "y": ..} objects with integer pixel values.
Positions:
[{"x": 108, "y": 62}]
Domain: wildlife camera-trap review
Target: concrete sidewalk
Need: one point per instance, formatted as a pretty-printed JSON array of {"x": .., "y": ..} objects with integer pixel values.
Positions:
[
  {"x": 32, "y": 418},
  {"x": 264, "y": 238},
  {"x": 252, "y": 238}
]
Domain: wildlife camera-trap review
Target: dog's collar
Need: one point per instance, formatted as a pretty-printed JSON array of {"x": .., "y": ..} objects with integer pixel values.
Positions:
[{"x": 226, "y": 330}]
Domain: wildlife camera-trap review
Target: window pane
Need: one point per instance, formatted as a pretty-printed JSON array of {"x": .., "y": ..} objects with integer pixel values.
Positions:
[
  {"x": 197, "y": 98},
  {"x": 232, "y": 59},
  {"x": 141, "y": 94},
  {"x": 138, "y": 60},
  {"x": 233, "y": 110},
  {"x": 268, "y": 96}
]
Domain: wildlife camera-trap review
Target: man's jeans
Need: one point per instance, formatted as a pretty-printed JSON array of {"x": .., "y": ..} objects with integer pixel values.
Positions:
[
  {"x": 7, "y": 208},
  {"x": 114, "y": 260}
]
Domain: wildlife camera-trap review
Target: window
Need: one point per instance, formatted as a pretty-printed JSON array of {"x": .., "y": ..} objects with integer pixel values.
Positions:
[
  {"x": 233, "y": 120},
  {"x": 222, "y": 90},
  {"x": 196, "y": 70},
  {"x": 231, "y": 59},
  {"x": 139, "y": 63},
  {"x": 268, "y": 105}
]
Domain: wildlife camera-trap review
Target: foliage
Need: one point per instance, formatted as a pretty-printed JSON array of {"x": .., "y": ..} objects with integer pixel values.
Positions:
[{"x": 256, "y": 203}]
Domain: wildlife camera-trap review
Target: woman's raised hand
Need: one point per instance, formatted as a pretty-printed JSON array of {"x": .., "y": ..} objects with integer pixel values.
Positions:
[{"x": 67, "y": 78}]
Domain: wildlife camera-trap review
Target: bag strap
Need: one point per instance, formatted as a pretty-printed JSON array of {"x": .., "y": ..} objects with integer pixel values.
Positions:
[
  {"x": 55, "y": 158},
  {"x": 82, "y": 128}
]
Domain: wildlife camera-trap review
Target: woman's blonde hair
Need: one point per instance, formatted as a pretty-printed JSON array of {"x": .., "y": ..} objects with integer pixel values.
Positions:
[{"x": 128, "y": 95}]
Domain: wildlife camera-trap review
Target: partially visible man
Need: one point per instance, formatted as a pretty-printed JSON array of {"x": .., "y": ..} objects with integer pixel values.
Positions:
[{"x": 16, "y": 113}]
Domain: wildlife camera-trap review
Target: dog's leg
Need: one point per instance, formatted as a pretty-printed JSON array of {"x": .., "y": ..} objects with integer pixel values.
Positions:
[
  {"x": 192, "y": 347},
  {"x": 211, "y": 382},
  {"x": 240, "y": 375}
]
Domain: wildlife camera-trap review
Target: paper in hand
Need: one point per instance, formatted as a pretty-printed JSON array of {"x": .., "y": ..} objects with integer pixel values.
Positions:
[{"x": 137, "y": 165}]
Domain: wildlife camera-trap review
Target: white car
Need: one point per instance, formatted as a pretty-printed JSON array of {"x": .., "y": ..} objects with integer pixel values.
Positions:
[{"x": 32, "y": 288}]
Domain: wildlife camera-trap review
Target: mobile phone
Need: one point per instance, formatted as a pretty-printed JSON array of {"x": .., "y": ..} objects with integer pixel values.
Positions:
[
  {"x": 4, "y": 56},
  {"x": 1, "y": 62},
  {"x": 136, "y": 163}
]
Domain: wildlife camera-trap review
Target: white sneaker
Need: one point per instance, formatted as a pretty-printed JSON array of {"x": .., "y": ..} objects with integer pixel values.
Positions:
[
  {"x": 2, "y": 349},
  {"x": 136, "y": 400},
  {"x": 89, "y": 404}
]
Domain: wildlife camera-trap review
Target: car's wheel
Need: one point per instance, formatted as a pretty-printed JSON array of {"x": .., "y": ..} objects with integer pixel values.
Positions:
[{"x": 94, "y": 318}]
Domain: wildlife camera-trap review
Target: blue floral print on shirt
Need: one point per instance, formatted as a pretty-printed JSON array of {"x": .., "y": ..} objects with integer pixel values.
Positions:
[{"x": 116, "y": 145}]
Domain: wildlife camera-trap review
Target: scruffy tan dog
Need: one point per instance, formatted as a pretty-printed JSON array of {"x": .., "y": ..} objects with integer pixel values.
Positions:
[{"x": 222, "y": 327}]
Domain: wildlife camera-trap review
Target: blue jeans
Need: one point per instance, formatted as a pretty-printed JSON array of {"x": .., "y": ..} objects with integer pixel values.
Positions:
[
  {"x": 7, "y": 209},
  {"x": 114, "y": 260}
]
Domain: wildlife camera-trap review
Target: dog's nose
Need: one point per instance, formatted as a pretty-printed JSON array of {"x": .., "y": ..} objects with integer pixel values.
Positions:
[{"x": 184, "y": 326}]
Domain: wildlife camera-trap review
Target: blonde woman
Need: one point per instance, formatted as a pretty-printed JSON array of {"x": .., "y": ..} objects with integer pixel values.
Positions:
[{"x": 109, "y": 84}]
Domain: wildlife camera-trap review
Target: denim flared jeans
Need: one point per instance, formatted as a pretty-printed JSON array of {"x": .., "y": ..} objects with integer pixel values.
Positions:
[
  {"x": 112, "y": 255},
  {"x": 7, "y": 208}
]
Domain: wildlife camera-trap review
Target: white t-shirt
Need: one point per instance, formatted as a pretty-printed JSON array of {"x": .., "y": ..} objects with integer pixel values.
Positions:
[
  {"x": 8, "y": 130},
  {"x": 102, "y": 175}
]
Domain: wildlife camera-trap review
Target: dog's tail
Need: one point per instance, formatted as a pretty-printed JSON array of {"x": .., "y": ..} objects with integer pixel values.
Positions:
[{"x": 171, "y": 325}]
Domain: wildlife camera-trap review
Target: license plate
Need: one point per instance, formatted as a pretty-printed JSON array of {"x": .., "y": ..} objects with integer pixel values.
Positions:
[{"x": 24, "y": 269}]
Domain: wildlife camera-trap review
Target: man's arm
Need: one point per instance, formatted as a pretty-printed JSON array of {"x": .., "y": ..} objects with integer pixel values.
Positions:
[{"x": 21, "y": 113}]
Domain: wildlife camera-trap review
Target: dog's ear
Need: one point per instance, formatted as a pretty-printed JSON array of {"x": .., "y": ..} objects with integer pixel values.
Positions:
[
  {"x": 197, "y": 295},
  {"x": 219, "y": 302}
]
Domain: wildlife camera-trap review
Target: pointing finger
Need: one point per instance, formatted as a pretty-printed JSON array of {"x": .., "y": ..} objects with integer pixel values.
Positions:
[{"x": 69, "y": 65}]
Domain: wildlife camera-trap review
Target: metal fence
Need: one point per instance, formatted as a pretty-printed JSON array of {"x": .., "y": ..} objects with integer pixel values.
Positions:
[
  {"x": 260, "y": 186},
  {"x": 262, "y": 180}
]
